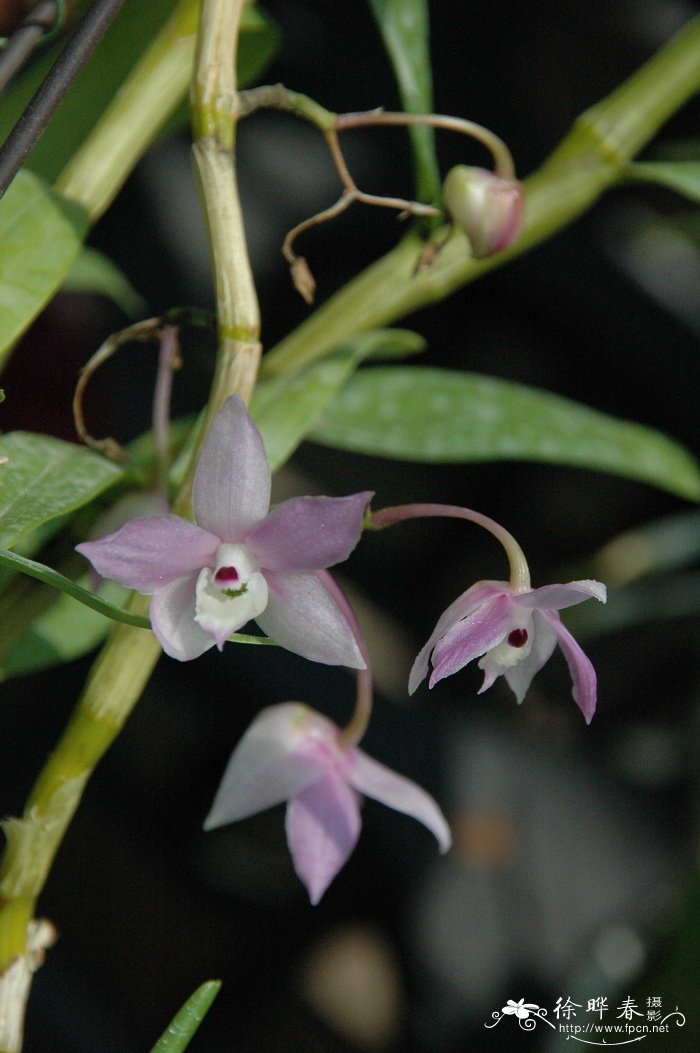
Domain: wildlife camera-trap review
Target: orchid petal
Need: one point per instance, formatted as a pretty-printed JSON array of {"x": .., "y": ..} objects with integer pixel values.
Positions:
[
  {"x": 151, "y": 552},
  {"x": 469, "y": 601},
  {"x": 555, "y": 597},
  {"x": 471, "y": 637},
  {"x": 323, "y": 825},
  {"x": 519, "y": 676},
  {"x": 382, "y": 784},
  {"x": 231, "y": 490},
  {"x": 279, "y": 756},
  {"x": 302, "y": 616},
  {"x": 172, "y": 620},
  {"x": 309, "y": 533},
  {"x": 580, "y": 666}
]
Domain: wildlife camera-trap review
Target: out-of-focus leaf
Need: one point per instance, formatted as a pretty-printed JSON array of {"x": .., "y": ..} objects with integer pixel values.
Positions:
[
  {"x": 656, "y": 599},
  {"x": 93, "y": 272},
  {"x": 285, "y": 409},
  {"x": 681, "y": 176},
  {"x": 662, "y": 545},
  {"x": 420, "y": 414},
  {"x": 405, "y": 29},
  {"x": 70, "y": 588},
  {"x": 185, "y": 1023},
  {"x": 127, "y": 38},
  {"x": 67, "y": 630},
  {"x": 41, "y": 237},
  {"x": 42, "y": 478}
]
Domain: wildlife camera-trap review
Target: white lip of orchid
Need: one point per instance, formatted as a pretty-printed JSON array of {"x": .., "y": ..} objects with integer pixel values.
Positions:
[
  {"x": 231, "y": 594},
  {"x": 510, "y": 650}
]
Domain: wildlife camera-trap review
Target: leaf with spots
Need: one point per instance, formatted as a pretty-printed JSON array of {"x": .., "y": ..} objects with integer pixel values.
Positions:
[
  {"x": 416, "y": 413},
  {"x": 285, "y": 408}
]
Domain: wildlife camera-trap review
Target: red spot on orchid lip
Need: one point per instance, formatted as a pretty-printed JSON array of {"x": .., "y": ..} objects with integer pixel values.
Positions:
[
  {"x": 517, "y": 638},
  {"x": 224, "y": 575}
]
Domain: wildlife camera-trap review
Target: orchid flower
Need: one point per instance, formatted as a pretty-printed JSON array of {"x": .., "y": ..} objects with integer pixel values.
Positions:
[
  {"x": 238, "y": 561},
  {"x": 515, "y": 633},
  {"x": 510, "y": 626},
  {"x": 292, "y": 753}
]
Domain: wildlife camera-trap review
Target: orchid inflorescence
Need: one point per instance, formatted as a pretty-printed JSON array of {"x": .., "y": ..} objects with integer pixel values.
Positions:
[{"x": 242, "y": 561}]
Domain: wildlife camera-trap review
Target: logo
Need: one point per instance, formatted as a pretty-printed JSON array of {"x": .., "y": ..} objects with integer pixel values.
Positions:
[{"x": 598, "y": 1024}]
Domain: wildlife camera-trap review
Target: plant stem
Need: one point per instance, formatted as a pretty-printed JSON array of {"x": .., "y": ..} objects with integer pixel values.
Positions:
[
  {"x": 590, "y": 160},
  {"x": 215, "y": 111}
]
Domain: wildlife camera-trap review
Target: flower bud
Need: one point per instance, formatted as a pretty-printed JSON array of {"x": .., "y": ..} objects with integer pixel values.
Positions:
[{"x": 487, "y": 208}]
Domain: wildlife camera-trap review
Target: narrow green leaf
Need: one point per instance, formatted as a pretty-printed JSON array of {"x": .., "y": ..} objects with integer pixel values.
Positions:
[
  {"x": 186, "y": 1022},
  {"x": 285, "y": 409},
  {"x": 42, "y": 478},
  {"x": 405, "y": 29},
  {"x": 71, "y": 588},
  {"x": 41, "y": 237},
  {"x": 93, "y": 272},
  {"x": 420, "y": 414},
  {"x": 681, "y": 176}
]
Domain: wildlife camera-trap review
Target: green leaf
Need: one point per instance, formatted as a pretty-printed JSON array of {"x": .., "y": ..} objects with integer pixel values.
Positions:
[
  {"x": 43, "y": 477},
  {"x": 420, "y": 414},
  {"x": 681, "y": 176},
  {"x": 186, "y": 1022},
  {"x": 404, "y": 25},
  {"x": 51, "y": 577},
  {"x": 285, "y": 409},
  {"x": 41, "y": 237},
  {"x": 93, "y": 272},
  {"x": 64, "y": 632}
]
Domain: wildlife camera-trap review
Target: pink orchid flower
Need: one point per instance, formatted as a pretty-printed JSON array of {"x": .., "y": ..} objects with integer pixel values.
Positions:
[
  {"x": 291, "y": 753},
  {"x": 515, "y": 632},
  {"x": 239, "y": 561}
]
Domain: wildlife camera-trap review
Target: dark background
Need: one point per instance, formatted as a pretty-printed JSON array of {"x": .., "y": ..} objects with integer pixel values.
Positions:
[{"x": 575, "y": 847}]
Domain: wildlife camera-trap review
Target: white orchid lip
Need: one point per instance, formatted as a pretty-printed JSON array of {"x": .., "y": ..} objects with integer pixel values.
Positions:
[
  {"x": 513, "y": 648},
  {"x": 231, "y": 594}
]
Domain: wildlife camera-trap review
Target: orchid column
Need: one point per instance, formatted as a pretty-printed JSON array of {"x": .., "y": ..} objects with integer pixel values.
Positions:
[{"x": 127, "y": 659}]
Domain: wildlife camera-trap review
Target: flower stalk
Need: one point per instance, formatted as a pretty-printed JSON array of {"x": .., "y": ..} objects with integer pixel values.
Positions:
[{"x": 519, "y": 570}]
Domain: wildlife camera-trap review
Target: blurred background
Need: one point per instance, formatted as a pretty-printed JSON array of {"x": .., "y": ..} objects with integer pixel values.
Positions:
[{"x": 574, "y": 870}]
